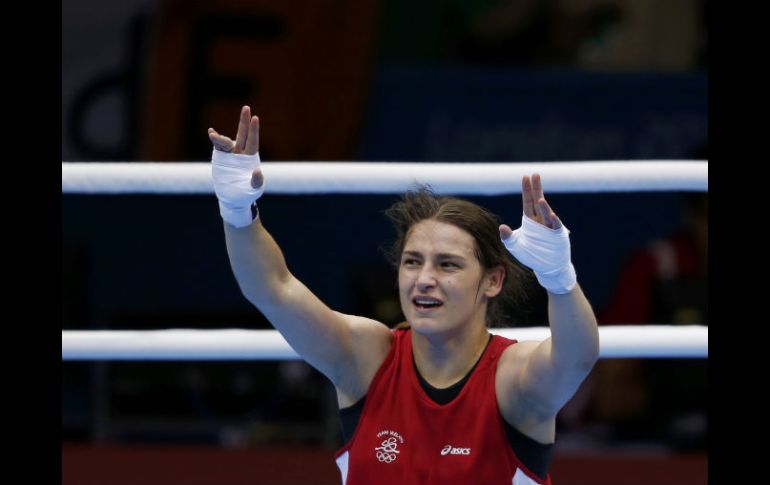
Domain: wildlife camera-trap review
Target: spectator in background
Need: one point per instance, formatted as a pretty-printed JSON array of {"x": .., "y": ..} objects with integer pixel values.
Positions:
[{"x": 666, "y": 281}]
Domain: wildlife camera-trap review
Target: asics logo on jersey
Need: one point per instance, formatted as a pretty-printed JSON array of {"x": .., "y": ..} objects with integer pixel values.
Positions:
[{"x": 451, "y": 450}]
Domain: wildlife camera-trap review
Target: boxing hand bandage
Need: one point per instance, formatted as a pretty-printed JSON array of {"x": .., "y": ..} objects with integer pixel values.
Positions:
[
  {"x": 547, "y": 252},
  {"x": 231, "y": 174}
]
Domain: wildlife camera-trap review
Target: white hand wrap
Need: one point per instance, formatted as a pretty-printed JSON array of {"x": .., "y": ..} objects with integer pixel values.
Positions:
[
  {"x": 231, "y": 174},
  {"x": 547, "y": 252}
]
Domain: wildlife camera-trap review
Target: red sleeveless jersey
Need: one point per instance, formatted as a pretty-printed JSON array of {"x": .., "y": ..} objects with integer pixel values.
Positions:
[{"x": 403, "y": 437}]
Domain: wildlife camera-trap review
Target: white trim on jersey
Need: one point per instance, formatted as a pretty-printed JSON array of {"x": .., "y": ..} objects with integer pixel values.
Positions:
[
  {"x": 521, "y": 478},
  {"x": 342, "y": 464}
]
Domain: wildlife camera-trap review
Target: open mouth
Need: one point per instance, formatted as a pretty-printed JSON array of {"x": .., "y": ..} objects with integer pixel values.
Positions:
[{"x": 426, "y": 302}]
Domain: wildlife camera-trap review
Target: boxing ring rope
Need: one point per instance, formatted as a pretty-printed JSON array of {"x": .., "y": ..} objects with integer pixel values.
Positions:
[
  {"x": 624, "y": 341},
  {"x": 658, "y": 341},
  {"x": 388, "y": 178}
]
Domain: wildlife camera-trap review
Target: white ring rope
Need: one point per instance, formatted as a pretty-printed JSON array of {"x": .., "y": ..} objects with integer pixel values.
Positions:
[
  {"x": 388, "y": 178},
  {"x": 377, "y": 178},
  {"x": 617, "y": 341}
]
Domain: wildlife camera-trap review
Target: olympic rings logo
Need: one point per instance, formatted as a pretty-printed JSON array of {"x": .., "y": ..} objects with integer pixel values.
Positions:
[{"x": 386, "y": 457}]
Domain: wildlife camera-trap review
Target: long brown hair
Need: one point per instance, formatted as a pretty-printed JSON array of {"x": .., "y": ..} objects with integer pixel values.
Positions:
[{"x": 510, "y": 305}]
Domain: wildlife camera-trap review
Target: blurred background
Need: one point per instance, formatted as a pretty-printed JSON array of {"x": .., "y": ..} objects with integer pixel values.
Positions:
[{"x": 370, "y": 80}]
